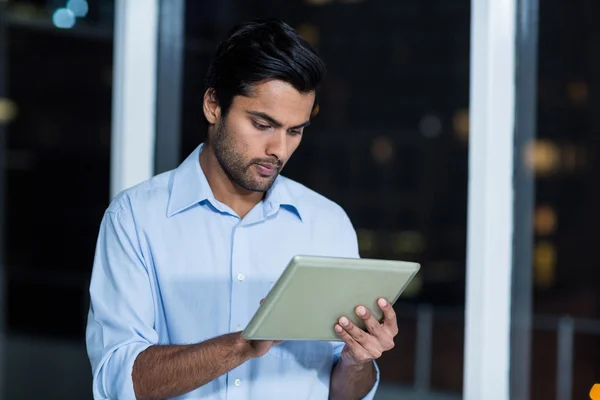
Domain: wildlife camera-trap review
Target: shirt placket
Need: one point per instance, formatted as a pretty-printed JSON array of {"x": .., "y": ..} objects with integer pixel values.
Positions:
[{"x": 238, "y": 377}]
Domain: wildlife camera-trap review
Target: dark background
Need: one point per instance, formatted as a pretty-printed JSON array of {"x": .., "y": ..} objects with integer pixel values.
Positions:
[{"x": 390, "y": 145}]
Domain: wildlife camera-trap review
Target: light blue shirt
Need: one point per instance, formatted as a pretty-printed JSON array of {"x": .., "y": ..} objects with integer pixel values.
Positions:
[{"x": 175, "y": 266}]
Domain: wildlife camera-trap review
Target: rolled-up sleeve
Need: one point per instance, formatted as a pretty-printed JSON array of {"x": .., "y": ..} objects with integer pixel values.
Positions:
[{"x": 121, "y": 315}]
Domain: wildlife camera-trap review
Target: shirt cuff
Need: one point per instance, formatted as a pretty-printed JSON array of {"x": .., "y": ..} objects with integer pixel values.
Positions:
[
  {"x": 371, "y": 394},
  {"x": 114, "y": 379}
]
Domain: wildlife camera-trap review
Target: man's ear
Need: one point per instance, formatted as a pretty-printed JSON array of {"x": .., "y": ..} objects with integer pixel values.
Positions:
[
  {"x": 315, "y": 111},
  {"x": 210, "y": 106}
]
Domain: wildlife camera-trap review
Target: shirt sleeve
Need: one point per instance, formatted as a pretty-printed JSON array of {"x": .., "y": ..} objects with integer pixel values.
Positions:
[
  {"x": 349, "y": 248},
  {"x": 121, "y": 315}
]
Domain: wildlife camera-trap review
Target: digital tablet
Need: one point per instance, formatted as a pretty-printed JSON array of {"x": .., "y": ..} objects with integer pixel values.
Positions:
[{"x": 314, "y": 292}]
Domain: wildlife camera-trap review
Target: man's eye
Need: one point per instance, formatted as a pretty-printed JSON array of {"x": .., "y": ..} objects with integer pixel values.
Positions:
[
  {"x": 262, "y": 127},
  {"x": 296, "y": 131}
]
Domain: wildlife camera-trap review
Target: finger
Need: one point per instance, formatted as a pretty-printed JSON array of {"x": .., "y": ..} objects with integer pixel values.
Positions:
[
  {"x": 357, "y": 334},
  {"x": 356, "y": 349},
  {"x": 384, "y": 336},
  {"x": 345, "y": 336},
  {"x": 389, "y": 316},
  {"x": 371, "y": 323},
  {"x": 367, "y": 347}
]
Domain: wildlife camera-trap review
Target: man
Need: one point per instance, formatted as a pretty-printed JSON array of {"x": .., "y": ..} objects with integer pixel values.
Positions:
[{"x": 184, "y": 259}]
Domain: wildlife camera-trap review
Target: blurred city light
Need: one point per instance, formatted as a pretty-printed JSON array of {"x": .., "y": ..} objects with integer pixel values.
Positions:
[
  {"x": 543, "y": 157},
  {"x": 366, "y": 240},
  {"x": 545, "y": 220},
  {"x": 460, "y": 124},
  {"x": 544, "y": 264},
  {"x": 577, "y": 92},
  {"x": 8, "y": 110},
  {"x": 414, "y": 287},
  {"x": 382, "y": 150},
  {"x": 430, "y": 126},
  {"x": 409, "y": 243},
  {"x": 63, "y": 18},
  {"x": 310, "y": 33},
  {"x": 79, "y": 7}
]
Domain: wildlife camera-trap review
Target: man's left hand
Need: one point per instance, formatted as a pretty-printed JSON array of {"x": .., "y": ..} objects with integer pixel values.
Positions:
[{"x": 363, "y": 347}]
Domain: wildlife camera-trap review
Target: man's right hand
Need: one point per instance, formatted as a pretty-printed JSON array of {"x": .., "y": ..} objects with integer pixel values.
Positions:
[
  {"x": 166, "y": 371},
  {"x": 259, "y": 348}
]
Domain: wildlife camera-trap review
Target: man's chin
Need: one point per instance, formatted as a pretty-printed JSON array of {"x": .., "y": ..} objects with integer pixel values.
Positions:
[
  {"x": 261, "y": 186},
  {"x": 266, "y": 187}
]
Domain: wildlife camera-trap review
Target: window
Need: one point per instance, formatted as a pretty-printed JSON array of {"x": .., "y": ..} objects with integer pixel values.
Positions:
[
  {"x": 58, "y": 161},
  {"x": 566, "y": 214}
]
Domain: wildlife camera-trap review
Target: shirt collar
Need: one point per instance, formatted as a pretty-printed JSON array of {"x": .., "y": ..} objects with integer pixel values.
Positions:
[
  {"x": 190, "y": 187},
  {"x": 281, "y": 196}
]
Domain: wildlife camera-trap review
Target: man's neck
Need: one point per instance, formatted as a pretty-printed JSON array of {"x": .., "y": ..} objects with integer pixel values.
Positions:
[{"x": 224, "y": 189}]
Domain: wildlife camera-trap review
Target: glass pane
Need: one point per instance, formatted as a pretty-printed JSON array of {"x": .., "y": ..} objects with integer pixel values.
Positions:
[
  {"x": 59, "y": 81},
  {"x": 564, "y": 157},
  {"x": 390, "y": 145}
]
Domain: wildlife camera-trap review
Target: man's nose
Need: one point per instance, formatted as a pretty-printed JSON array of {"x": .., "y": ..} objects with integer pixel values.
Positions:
[{"x": 277, "y": 146}]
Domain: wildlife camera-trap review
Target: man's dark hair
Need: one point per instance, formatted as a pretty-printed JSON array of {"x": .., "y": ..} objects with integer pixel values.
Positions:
[{"x": 260, "y": 50}]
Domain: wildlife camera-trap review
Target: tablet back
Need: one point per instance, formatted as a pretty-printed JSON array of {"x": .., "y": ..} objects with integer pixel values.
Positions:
[{"x": 314, "y": 292}]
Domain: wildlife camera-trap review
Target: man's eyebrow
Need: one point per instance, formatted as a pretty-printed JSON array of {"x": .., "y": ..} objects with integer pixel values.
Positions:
[
  {"x": 273, "y": 121},
  {"x": 302, "y": 125}
]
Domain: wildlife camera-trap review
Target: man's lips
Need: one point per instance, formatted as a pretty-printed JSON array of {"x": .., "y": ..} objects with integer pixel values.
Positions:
[{"x": 266, "y": 169}]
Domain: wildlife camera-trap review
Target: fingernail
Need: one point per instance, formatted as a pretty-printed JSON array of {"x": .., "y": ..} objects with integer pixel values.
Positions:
[
  {"x": 338, "y": 329},
  {"x": 344, "y": 321},
  {"x": 382, "y": 302},
  {"x": 361, "y": 311}
]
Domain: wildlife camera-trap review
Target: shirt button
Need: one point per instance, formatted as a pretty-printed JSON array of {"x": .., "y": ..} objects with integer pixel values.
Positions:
[
  {"x": 237, "y": 382},
  {"x": 241, "y": 277}
]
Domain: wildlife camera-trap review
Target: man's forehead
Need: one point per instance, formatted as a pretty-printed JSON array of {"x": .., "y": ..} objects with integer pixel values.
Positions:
[
  {"x": 286, "y": 105},
  {"x": 273, "y": 90}
]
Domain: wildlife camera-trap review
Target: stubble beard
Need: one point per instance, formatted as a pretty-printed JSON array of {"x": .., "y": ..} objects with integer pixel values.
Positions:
[{"x": 233, "y": 164}]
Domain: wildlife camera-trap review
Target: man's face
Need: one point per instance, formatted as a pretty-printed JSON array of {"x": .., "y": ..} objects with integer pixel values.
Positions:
[{"x": 260, "y": 133}]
